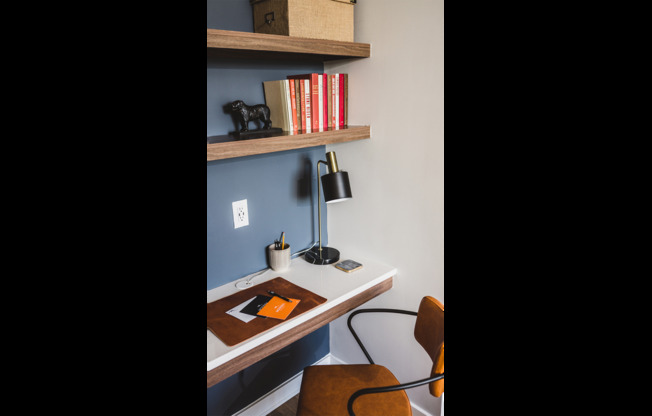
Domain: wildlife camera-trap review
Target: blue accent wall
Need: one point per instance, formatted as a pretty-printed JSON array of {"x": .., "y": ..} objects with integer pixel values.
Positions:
[
  {"x": 281, "y": 193},
  {"x": 229, "y": 15},
  {"x": 280, "y": 188},
  {"x": 237, "y": 391}
]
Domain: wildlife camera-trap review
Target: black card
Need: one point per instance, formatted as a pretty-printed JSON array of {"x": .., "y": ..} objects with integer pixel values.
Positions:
[{"x": 255, "y": 305}]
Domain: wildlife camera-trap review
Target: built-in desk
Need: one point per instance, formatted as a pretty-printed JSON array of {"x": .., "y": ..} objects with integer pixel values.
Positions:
[{"x": 343, "y": 291}]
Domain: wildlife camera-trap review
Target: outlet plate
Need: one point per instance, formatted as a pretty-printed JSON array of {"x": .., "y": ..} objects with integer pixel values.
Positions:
[{"x": 240, "y": 214}]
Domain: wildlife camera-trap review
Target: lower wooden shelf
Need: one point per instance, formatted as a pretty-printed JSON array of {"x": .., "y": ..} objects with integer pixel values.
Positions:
[{"x": 223, "y": 147}]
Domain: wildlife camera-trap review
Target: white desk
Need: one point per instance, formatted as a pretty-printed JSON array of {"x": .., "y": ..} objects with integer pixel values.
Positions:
[{"x": 343, "y": 291}]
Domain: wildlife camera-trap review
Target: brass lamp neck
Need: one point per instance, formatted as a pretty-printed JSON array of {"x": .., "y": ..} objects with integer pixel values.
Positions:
[{"x": 332, "y": 162}]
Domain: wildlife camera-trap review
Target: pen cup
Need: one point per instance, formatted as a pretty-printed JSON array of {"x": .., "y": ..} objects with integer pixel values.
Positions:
[{"x": 279, "y": 260}]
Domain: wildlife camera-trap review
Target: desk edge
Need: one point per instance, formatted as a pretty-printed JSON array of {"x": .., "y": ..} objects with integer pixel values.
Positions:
[{"x": 273, "y": 345}]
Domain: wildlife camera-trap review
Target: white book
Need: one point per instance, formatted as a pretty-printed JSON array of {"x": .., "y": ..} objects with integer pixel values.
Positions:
[
  {"x": 306, "y": 92},
  {"x": 288, "y": 103},
  {"x": 320, "y": 106},
  {"x": 336, "y": 103}
]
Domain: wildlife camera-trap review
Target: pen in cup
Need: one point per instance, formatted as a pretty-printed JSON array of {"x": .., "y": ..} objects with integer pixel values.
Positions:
[{"x": 280, "y": 245}]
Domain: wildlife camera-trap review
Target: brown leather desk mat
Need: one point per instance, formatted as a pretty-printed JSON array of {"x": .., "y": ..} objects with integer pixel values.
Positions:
[{"x": 232, "y": 331}]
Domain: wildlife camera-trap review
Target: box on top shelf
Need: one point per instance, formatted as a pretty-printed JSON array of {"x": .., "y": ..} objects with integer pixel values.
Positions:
[{"x": 315, "y": 19}]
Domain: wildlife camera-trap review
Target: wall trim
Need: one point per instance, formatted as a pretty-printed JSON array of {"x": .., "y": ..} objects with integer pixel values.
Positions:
[
  {"x": 335, "y": 360},
  {"x": 418, "y": 411}
]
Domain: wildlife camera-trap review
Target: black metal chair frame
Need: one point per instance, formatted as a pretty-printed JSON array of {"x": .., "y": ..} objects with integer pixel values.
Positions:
[{"x": 384, "y": 389}]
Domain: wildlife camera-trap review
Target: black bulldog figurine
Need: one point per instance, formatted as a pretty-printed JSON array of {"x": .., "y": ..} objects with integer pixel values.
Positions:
[{"x": 244, "y": 114}]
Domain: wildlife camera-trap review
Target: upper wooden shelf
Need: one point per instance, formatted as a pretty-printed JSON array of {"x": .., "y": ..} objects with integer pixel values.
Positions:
[
  {"x": 224, "y": 147},
  {"x": 228, "y": 43}
]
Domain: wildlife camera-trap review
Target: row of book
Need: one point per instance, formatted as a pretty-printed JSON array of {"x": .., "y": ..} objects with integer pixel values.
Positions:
[{"x": 308, "y": 102}]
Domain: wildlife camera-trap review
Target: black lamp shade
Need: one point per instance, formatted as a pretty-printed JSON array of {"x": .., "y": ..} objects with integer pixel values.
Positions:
[{"x": 336, "y": 187}]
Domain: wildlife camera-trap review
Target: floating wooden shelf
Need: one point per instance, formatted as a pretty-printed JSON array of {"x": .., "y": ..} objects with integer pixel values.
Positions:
[
  {"x": 231, "y": 44},
  {"x": 228, "y": 43},
  {"x": 224, "y": 147}
]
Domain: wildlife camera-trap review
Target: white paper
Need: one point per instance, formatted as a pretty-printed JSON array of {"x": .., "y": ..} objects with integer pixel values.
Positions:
[{"x": 244, "y": 317}]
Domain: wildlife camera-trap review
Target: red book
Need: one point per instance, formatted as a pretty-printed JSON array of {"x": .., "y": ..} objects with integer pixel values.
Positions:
[
  {"x": 325, "y": 100},
  {"x": 314, "y": 96},
  {"x": 345, "y": 105},
  {"x": 342, "y": 108},
  {"x": 293, "y": 103}
]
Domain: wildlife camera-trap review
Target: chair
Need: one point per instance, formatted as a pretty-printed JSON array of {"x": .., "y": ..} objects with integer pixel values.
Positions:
[{"x": 336, "y": 389}]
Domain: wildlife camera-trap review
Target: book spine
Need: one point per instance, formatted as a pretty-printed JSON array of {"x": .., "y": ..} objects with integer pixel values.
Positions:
[
  {"x": 306, "y": 96},
  {"x": 288, "y": 105},
  {"x": 293, "y": 105},
  {"x": 275, "y": 100},
  {"x": 329, "y": 107},
  {"x": 336, "y": 101},
  {"x": 297, "y": 90},
  {"x": 325, "y": 99},
  {"x": 345, "y": 100},
  {"x": 314, "y": 101},
  {"x": 331, "y": 101},
  {"x": 320, "y": 103},
  {"x": 302, "y": 104},
  {"x": 284, "y": 107},
  {"x": 340, "y": 99}
]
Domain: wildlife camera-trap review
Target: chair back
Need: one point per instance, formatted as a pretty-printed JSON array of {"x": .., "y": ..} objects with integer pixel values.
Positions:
[{"x": 429, "y": 332}]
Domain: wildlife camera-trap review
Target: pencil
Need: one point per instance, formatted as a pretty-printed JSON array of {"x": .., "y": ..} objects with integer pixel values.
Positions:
[{"x": 283, "y": 241}]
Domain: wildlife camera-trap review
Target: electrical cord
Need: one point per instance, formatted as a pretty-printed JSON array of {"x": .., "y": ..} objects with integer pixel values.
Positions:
[
  {"x": 245, "y": 282},
  {"x": 300, "y": 252}
]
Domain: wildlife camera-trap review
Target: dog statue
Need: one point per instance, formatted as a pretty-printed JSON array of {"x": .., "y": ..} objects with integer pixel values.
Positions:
[{"x": 244, "y": 114}]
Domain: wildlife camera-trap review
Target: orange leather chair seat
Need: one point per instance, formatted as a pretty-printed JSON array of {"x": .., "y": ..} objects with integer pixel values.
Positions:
[{"x": 325, "y": 391}]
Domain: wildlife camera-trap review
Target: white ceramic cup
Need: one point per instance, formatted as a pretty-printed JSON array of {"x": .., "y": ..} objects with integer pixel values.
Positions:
[{"x": 279, "y": 260}]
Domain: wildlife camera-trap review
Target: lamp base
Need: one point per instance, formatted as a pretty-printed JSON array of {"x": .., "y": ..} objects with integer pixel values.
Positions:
[{"x": 328, "y": 255}]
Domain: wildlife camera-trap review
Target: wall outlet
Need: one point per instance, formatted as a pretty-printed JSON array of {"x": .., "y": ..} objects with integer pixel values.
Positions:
[{"x": 240, "y": 214}]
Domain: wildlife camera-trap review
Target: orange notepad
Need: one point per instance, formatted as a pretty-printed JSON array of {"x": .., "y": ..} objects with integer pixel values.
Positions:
[{"x": 278, "y": 308}]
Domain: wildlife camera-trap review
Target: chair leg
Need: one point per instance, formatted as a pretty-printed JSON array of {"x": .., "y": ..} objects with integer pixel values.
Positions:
[{"x": 348, "y": 323}]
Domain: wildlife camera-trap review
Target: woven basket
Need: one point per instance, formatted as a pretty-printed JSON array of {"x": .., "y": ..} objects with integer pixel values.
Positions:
[{"x": 315, "y": 19}]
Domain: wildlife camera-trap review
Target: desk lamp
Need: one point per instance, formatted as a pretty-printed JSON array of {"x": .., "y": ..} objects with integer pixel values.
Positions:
[{"x": 336, "y": 189}]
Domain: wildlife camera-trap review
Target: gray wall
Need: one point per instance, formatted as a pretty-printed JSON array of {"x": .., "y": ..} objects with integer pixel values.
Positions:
[{"x": 401, "y": 169}]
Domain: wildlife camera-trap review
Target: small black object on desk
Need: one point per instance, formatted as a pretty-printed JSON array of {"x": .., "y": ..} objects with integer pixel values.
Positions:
[{"x": 279, "y": 296}]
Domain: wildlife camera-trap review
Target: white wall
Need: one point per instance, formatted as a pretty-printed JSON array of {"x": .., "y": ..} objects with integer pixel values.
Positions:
[{"x": 397, "y": 178}]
